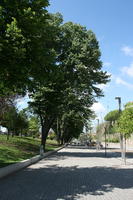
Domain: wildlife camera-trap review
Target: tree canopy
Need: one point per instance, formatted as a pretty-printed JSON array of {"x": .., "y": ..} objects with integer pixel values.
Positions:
[
  {"x": 57, "y": 64},
  {"x": 73, "y": 83},
  {"x": 126, "y": 120},
  {"x": 26, "y": 43},
  {"x": 112, "y": 116}
]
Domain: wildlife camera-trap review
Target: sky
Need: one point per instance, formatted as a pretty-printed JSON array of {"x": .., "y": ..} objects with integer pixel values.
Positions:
[{"x": 112, "y": 22}]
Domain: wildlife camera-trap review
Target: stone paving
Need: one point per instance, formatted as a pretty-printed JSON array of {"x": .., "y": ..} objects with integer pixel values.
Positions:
[{"x": 74, "y": 173}]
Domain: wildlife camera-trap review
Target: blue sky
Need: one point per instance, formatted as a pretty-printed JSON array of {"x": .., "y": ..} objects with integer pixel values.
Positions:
[{"x": 112, "y": 22}]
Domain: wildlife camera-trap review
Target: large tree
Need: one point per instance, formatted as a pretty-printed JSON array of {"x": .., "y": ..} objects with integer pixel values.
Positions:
[
  {"x": 73, "y": 81},
  {"x": 81, "y": 66}
]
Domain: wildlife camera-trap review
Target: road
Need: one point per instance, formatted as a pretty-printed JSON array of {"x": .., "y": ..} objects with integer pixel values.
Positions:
[{"x": 73, "y": 173}]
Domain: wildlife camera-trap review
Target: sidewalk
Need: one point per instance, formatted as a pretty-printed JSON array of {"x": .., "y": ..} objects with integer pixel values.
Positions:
[
  {"x": 74, "y": 173},
  {"x": 115, "y": 148}
]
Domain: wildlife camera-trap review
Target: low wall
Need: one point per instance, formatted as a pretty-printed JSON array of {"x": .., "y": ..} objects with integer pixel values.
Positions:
[{"x": 5, "y": 171}]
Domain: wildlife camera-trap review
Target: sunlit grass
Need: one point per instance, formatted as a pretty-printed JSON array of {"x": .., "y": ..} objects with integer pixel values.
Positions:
[{"x": 16, "y": 148}]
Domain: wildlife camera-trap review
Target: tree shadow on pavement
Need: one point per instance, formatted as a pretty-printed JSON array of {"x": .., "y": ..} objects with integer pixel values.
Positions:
[
  {"x": 64, "y": 155},
  {"x": 64, "y": 183}
]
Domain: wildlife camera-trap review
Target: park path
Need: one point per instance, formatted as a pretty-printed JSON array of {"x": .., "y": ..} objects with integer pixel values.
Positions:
[{"x": 71, "y": 174}]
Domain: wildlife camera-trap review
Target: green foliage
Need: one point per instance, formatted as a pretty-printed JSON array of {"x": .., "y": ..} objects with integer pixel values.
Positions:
[
  {"x": 114, "y": 140},
  {"x": 34, "y": 126},
  {"x": 72, "y": 126},
  {"x": 16, "y": 122},
  {"x": 72, "y": 85},
  {"x": 81, "y": 66},
  {"x": 129, "y": 104},
  {"x": 113, "y": 129},
  {"x": 80, "y": 61},
  {"x": 126, "y": 122},
  {"x": 52, "y": 136},
  {"x": 25, "y": 43},
  {"x": 21, "y": 123},
  {"x": 112, "y": 116},
  {"x": 6, "y": 103},
  {"x": 9, "y": 119},
  {"x": 59, "y": 64}
]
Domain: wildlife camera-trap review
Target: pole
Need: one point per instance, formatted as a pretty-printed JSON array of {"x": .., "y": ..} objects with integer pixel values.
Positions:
[
  {"x": 105, "y": 144},
  {"x": 97, "y": 145},
  {"x": 121, "y": 135},
  {"x": 125, "y": 150}
]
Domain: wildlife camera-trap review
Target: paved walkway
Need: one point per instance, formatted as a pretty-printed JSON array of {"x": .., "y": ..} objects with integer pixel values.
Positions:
[{"x": 71, "y": 174}]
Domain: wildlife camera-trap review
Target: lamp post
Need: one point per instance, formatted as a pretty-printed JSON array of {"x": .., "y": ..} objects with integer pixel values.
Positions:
[
  {"x": 119, "y": 103},
  {"x": 97, "y": 145},
  {"x": 121, "y": 136},
  {"x": 105, "y": 141}
]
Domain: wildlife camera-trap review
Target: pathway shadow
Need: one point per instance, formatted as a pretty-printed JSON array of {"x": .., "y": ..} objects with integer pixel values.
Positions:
[
  {"x": 64, "y": 183},
  {"x": 65, "y": 155}
]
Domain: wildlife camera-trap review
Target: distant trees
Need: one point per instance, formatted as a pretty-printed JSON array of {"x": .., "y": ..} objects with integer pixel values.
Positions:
[
  {"x": 21, "y": 123},
  {"x": 121, "y": 122},
  {"x": 34, "y": 125},
  {"x": 112, "y": 116},
  {"x": 126, "y": 120},
  {"x": 15, "y": 122},
  {"x": 5, "y": 103},
  {"x": 9, "y": 120}
]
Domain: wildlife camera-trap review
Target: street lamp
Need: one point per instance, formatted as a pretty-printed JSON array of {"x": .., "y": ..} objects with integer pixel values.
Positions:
[{"x": 121, "y": 136}]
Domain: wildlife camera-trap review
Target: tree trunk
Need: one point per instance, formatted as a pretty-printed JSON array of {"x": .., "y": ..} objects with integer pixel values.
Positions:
[
  {"x": 62, "y": 132},
  {"x": 44, "y": 136},
  {"x": 21, "y": 132},
  {"x": 59, "y": 133},
  {"x": 46, "y": 125}
]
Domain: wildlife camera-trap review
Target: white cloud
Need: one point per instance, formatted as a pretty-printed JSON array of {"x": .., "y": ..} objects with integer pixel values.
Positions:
[
  {"x": 106, "y": 64},
  {"x": 22, "y": 102},
  {"x": 98, "y": 108},
  {"x": 122, "y": 82},
  {"x": 128, "y": 70},
  {"x": 127, "y": 50}
]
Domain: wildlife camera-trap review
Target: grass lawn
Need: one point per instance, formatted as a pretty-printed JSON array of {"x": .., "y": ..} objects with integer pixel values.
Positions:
[{"x": 17, "y": 149}]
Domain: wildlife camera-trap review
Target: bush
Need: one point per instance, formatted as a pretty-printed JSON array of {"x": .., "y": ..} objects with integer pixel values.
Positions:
[
  {"x": 52, "y": 136},
  {"x": 113, "y": 140}
]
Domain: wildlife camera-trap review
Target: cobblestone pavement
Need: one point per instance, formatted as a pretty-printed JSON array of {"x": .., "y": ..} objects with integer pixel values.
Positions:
[{"x": 72, "y": 174}]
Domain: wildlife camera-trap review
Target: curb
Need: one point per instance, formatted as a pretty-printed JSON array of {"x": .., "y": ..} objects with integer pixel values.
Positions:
[{"x": 5, "y": 171}]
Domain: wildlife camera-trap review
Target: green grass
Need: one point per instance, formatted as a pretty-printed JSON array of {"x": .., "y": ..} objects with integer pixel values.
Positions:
[
  {"x": 113, "y": 140},
  {"x": 17, "y": 149}
]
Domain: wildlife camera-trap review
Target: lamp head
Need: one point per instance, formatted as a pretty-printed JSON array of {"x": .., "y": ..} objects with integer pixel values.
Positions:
[{"x": 117, "y": 97}]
